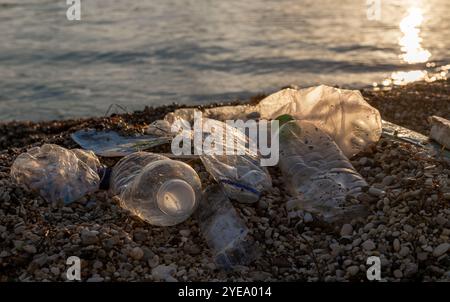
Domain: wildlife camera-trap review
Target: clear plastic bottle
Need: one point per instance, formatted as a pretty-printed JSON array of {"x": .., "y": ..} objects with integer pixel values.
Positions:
[
  {"x": 317, "y": 172},
  {"x": 225, "y": 232},
  {"x": 159, "y": 190},
  {"x": 56, "y": 173}
]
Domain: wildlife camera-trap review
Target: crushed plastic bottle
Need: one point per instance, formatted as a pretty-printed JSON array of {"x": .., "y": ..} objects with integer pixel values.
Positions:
[
  {"x": 56, "y": 173},
  {"x": 238, "y": 170},
  {"x": 317, "y": 173},
  {"x": 159, "y": 190},
  {"x": 224, "y": 231}
]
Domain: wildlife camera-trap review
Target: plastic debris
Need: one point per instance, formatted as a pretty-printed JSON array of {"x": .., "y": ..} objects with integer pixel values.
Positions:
[
  {"x": 440, "y": 130},
  {"x": 399, "y": 133},
  {"x": 224, "y": 231},
  {"x": 237, "y": 168},
  {"x": 112, "y": 144},
  {"x": 317, "y": 173},
  {"x": 56, "y": 173},
  {"x": 343, "y": 114},
  {"x": 159, "y": 190}
]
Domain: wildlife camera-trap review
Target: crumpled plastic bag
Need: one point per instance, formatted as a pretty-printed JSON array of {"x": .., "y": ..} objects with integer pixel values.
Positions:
[{"x": 56, "y": 173}]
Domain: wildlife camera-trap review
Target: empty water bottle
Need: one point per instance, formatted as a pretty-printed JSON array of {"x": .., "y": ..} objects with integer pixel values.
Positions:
[
  {"x": 159, "y": 190},
  {"x": 224, "y": 231},
  {"x": 317, "y": 172},
  {"x": 58, "y": 174}
]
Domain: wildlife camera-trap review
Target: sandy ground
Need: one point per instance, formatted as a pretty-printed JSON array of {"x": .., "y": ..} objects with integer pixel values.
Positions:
[{"x": 408, "y": 227}]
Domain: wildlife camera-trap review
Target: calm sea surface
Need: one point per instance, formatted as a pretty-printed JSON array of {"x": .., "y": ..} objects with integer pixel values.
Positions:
[{"x": 144, "y": 52}]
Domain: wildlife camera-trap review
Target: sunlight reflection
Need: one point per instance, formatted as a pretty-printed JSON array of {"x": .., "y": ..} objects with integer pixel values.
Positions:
[{"x": 411, "y": 40}]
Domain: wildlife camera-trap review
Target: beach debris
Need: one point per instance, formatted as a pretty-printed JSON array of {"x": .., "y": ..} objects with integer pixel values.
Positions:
[
  {"x": 56, "y": 173},
  {"x": 158, "y": 190},
  {"x": 343, "y": 114},
  {"x": 233, "y": 163},
  {"x": 399, "y": 133},
  {"x": 224, "y": 231},
  {"x": 109, "y": 143},
  {"x": 318, "y": 174},
  {"x": 440, "y": 130}
]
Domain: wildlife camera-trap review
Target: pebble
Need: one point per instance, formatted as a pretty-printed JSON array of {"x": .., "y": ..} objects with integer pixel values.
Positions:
[
  {"x": 376, "y": 192},
  {"x": 404, "y": 251},
  {"x": 89, "y": 237},
  {"x": 396, "y": 245},
  {"x": 30, "y": 249},
  {"x": 441, "y": 249},
  {"x": 353, "y": 270},
  {"x": 346, "y": 230},
  {"x": 137, "y": 253},
  {"x": 162, "y": 272},
  {"x": 185, "y": 233},
  {"x": 308, "y": 217},
  {"x": 368, "y": 245},
  {"x": 398, "y": 274}
]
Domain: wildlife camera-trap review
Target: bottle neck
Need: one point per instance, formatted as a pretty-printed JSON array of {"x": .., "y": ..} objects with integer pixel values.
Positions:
[{"x": 176, "y": 198}]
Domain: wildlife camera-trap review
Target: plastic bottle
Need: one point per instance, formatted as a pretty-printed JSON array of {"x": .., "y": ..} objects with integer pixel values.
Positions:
[
  {"x": 159, "y": 190},
  {"x": 56, "y": 173},
  {"x": 224, "y": 231},
  {"x": 317, "y": 172}
]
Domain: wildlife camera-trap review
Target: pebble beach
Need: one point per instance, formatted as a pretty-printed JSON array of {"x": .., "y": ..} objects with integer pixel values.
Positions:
[{"x": 408, "y": 225}]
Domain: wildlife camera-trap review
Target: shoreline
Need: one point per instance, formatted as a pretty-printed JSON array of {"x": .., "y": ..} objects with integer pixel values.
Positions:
[{"x": 408, "y": 228}]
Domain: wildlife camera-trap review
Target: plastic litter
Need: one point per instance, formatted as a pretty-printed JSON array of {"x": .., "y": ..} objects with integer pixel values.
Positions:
[
  {"x": 399, "y": 133},
  {"x": 440, "y": 130},
  {"x": 112, "y": 144},
  {"x": 317, "y": 173},
  {"x": 342, "y": 114},
  {"x": 159, "y": 190},
  {"x": 224, "y": 231},
  {"x": 56, "y": 173},
  {"x": 240, "y": 174}
]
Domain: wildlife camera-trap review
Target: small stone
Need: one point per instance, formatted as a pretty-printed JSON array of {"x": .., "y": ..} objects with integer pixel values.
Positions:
[
  {"x": 353, "y": 270},
  {"x": 388, "y": 180},
  {"x": 404, "y": 251},
  {"x": 30, "y": 249},
  {"x": 396, "y": 245},
  {"x": 185, "y": 233},
  {"x": 368, "y": 245},
  {"x": 398, "y": 274},
  {"x": 95, "y": 279},
  {"x": 447, "y": 196},
  {"x": 422, "y": 256},
  {"x": 89, "y": 237},
  {"x": 441, "y": 249},
  {"x": 441, "y": 220},
  {"x": 376, "y": 192},
  {"x": 411, "y": 269},
  {"x": 307, "y": 218},
  {"x": 97, "y": 264},
  {"x": 162, "y": 272},
  {"x": 346, "y": 230},
  {"x": 137, "y": 253}
]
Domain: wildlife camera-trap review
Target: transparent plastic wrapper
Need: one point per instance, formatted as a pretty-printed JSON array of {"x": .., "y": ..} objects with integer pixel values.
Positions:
[
  {"x": 159, "y": 190},
  {"x": 317, "y": 173},
  {"x": 56, "y": 173},
  {"x": 342, "y": 114},
  {"x": 224, "y": 231}
]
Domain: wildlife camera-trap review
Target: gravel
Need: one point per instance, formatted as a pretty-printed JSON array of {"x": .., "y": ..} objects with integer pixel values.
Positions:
[{"x": 407, "y": 224}]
